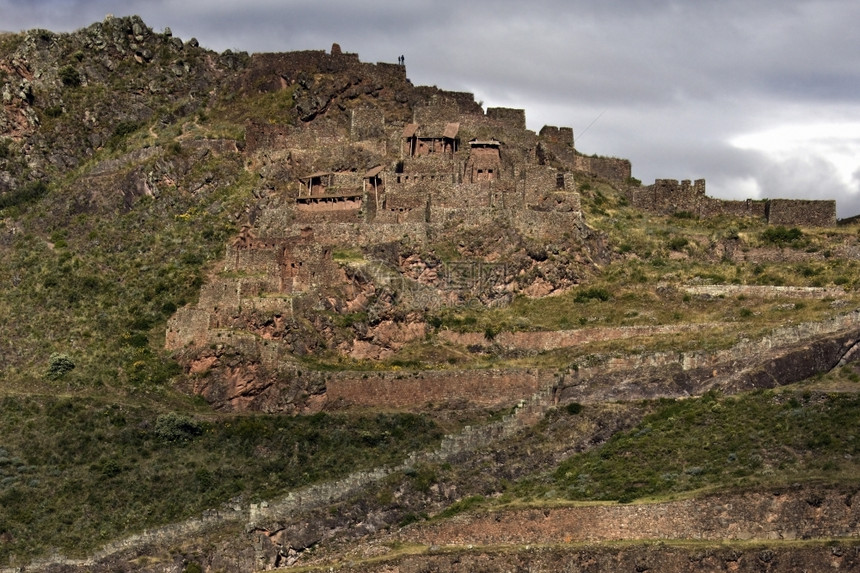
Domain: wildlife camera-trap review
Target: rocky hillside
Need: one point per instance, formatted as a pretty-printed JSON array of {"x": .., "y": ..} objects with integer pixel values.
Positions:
[{"x": 278, "y": 310}]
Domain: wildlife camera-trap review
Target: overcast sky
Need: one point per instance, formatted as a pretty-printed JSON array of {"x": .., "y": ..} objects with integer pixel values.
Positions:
[{"x": 761, "y": 98}]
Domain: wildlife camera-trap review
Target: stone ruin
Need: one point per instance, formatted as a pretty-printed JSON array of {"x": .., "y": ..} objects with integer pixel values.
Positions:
[
  {"x": 668, "y": 197},
  {"x": 356, "y": 171}
]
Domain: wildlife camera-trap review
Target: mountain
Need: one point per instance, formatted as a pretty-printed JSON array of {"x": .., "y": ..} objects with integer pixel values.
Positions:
[{"x": 290, "y": 310}]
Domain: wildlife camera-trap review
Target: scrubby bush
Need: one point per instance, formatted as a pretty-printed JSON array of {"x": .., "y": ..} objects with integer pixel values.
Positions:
[
  {"x": 573, "y": 408},
  {"x": 59, "y": 365},
  {"x": 173, "y": 427},
  {"x": 678, "y": 243},
  {"x": 70, "y": 76},
  {"x": 595, "y": 293},
  {"x": 781, "y": 236},
  {"x": 29, "y": 192}
]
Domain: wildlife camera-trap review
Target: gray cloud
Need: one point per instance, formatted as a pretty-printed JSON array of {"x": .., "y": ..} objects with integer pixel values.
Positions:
[{"x": 667, "y": 84}]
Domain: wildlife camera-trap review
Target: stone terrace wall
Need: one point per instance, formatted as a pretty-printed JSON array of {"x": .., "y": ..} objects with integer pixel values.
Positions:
[
  {"x": 263, "y": 136},
  {"x": 187, "y": 327},
  {"x": 463, "y": 196},
  {"x": 491, "y": 388},
  {"x": 337, "y": 234},
  {"x": 350, "y": 214},
  {"x": 662, "y": 557},
  {"x": 801, "y": 212},
  {"x": 546, "y": 225},
  {"x": 819, "y": 346},
  {"x": 609, "y": 168},
  {"x": 543, "y": 341},
  {"x": 771, "y": 515}
]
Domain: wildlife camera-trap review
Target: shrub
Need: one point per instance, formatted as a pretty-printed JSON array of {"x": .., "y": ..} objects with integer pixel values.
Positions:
[
  {"x": 461, "y": 506},
  {"x": 678, "y": 243},
  {"x": 59, "y": 366},
  {"x": 120, "y": 132},
  {"x": 781, "y": 236},
  {"x": 595, "y": 293},
  {"x": 573, "y": 408},
  {"x": 54, "y": 111},
  {"x": 422, "y": 477},
  {"x": 29, "y": 192},
  {"x": 684, "y": 215},
  {"x": 70, "y": 76},
  {"x": 124, "y": 128},
  {"x": 173, "y": 427}
]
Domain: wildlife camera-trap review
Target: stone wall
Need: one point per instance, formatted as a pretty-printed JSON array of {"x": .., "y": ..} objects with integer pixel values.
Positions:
[
  {"x": 187, "y": 327},
  {"x": 742, "y": 208},
  {"x": 270, "y": 71},
  {"x": 513, "y": 118},
  {"x": 766, "y": 291},
  {"x": 538, "y": 181},
  {"x": 557, "y": 135},
  {"x": 278, "y": 136},
  {"x": 489, "y": 388},
  {"x": 546, "y": 225},
  {"x": 787, "y": 355},
  {"x": 336, "y": 234},
  {"x": 367, "y": 124},
  {"x": 350, "y": 213},
  {"x": 544, "y": 341},
  {"x": 779, "y": 514},
  {"x": 663, "y": 557},
  {"x": 464, "y": 102},
  {"x": 801, "y": 212},
  {"x": 669, "y": 196},
  {"x": 439, "y": 110},
  {"x": 463, "y": 196},
  {"x": 610, "y": 168}
]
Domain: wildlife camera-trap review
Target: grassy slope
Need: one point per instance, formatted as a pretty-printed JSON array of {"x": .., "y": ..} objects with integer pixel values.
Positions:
[
  {"x": 770, "y": 437},
  {"x": 78, "y": 472}
]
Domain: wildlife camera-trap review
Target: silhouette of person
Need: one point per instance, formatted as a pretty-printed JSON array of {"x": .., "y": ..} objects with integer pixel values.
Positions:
[{"x": 402, "y": 60}]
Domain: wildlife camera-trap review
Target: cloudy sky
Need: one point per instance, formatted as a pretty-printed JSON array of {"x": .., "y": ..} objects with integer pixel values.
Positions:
[{"x": 761, "y": 98}]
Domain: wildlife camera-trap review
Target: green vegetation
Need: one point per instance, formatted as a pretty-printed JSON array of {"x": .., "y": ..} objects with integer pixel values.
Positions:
[
  {"x": 76, "y": 473},
  {"x": 461, "y": 506},
  {"x": 28, "y": 193},
  {"x": 718, "y": 441},
  {"x": 781, "y": 236},
  {"x": 70, "y": 76}
]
